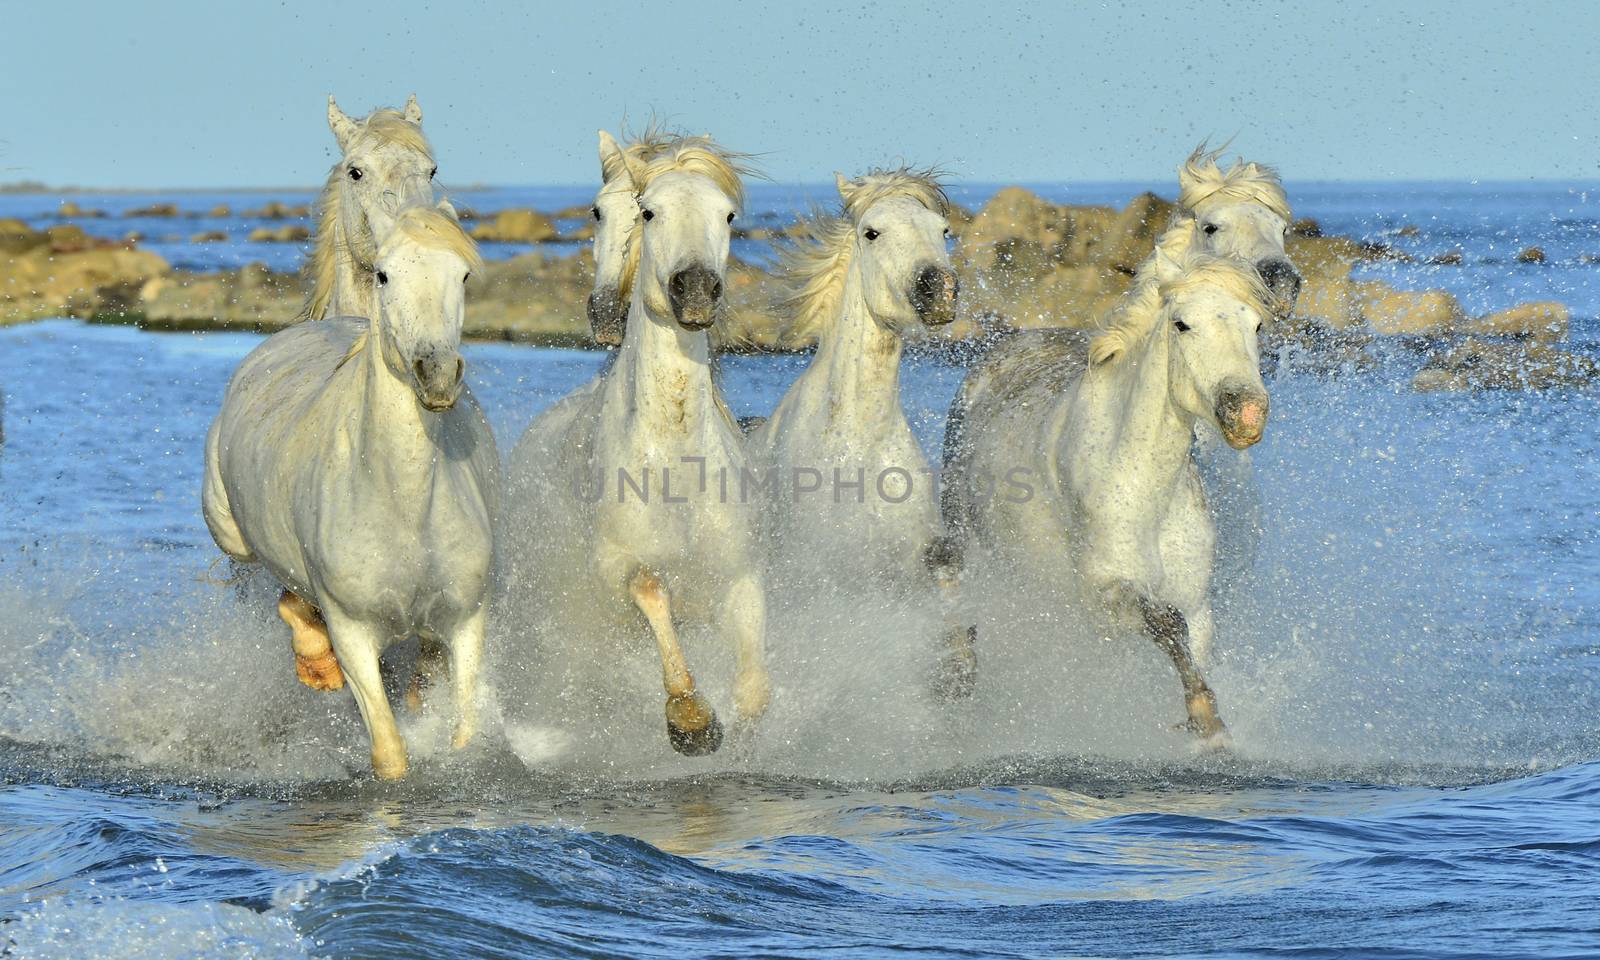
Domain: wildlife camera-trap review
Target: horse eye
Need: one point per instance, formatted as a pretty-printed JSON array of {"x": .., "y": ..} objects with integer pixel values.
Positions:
[
  {"x": 383, "y": 278},
  {"x": 1182, "y": 327},
  {"x": 595, "y": 210},
  {"x": 947, "y": 233},
  {"x": 1258, "y": 327},
  {"x": 730, "y": 218},
  {"x": 466, "y": 278},
  {"x": 1209, "y": 228},
  {"x": 648, "y": 214},
  {"x": 355, "y": 173},
  {"x": 871, "y": 234},
  {"x": 433, "y": 173}
]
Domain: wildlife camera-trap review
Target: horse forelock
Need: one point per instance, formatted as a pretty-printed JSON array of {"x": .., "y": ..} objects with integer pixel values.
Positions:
[
  {"x": 430, "y": 227},
  {"x": 1200, "y": 179}
]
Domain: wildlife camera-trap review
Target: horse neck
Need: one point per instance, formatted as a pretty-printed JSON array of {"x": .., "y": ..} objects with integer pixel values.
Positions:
[
  {"x": 354, "y": 292},
  {"x": 1143, "y": 437},
  {"x": 858, "y": 360},
  {"x": 394, "y": 437},
  {"x": 663, "y": 372}
]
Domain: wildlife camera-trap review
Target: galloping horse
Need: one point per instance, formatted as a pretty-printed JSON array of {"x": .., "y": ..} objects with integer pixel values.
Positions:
[
  {"x": 860, "y": 283},
  {"x": 637, "y": 555},
  {"x": 1104, "y": 436},
  {"x": 351, "y": 460}
]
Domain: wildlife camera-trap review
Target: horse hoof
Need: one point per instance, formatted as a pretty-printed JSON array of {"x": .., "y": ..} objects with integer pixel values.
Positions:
[
  {"x": 390, "y": 766},
  {"x": 1210, "y": 735},
  {"x": 320, "y": 672},
  {"x": 696, "y": 743}
]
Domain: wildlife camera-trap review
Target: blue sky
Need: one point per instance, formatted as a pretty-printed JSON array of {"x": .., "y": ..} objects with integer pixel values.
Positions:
[{"x": 222, "y": 94}]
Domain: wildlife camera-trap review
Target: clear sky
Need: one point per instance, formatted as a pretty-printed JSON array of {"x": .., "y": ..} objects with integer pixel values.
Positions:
[{"x": 147, "y": 94}]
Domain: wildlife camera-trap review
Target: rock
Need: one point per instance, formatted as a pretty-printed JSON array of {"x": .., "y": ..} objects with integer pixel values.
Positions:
[
  {"x": 71, "y": 211},
  {"x": 288, "y": 233},
  {"x": 209, "y": 236},
  {"x": 1589, "y": 259},
  {"x": 1305, "y": 227},
  {"x": 1505, "y": 365},
  {"x": 154, "y": 210},
  {"x": 585, "y": 212},
  {"x": 1325, "y": 256},
  {"x": 220, "y": 211},
  {"x": 1409, "y": 230},
  {"x": 1329, "y": 301},
  {"x": 278, "y": 210},
  {"x": 1531, "y": 255},
  {"x": 1408, "y": 312},
  {"x": 18, "y": 237},
  {"x": 68, "y": 238},
  {"x": 583, "y": 234},
  {"x": 516, "y": 226},
  {"x": 1543, "y": 320},
  {"x": 1131, "y": 237},
  {"x": 42, "y": 282},
  {"x": 1065, "y": 235},
  {"x": 1450, "y": 258}
]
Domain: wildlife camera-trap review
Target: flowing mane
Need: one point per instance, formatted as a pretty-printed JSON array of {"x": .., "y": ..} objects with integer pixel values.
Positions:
[
  {"x": 662, "y": 154},
  {"x": 1140, "y": 316},
  {"x": 1200, "y": 179},
  {"x": 389, "y": 126},
  {"x": 812, "y": 270}
]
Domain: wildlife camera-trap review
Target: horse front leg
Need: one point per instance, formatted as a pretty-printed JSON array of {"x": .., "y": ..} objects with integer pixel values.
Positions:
[
  {"x": 358, "y": 644},
  {"x": 466, "y": 654},
  {"x": 1167, "y": 626},
  {"x": 958, "y": 662},
  {"x": 692, "y": 725},
  {"x": 314, "y": 660},
  {"x": 745, "y": 609}
]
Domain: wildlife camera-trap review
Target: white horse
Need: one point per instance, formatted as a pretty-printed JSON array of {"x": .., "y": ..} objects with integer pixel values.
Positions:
[
  {"x": 387, "y": 166},
  {"x": 616, "y": 217},
  {"x": 1076, "y": 466},
  {"x": 351, "y": 460},
  {"x": 664, "y": 537},
  {"x": 862, "y": 494}
]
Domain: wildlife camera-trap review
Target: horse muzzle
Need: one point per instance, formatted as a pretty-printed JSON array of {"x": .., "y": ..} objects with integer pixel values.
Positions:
[
  {"x": 933, "y": 295},
  {"x": 695, "y": 293},
  {"x": 1242, "y": 417},
  {"x": 608, "y": 316},
  {"x": 440, "y": 376},
  {"x": 1283, "y": 281}
]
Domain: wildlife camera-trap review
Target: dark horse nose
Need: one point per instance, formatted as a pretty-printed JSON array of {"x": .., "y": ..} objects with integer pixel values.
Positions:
[
  {"x": 1282, "y": 279},
  {"x": 695, "y": 292},
  {"x": 933, "y": 295}
]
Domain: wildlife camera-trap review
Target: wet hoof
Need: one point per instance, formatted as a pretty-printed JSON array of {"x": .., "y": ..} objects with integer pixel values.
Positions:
[
  {"x": 958, "y": 670},
  {"x": 692, "y": 726},
  {"x": 390, "y": 766},
  {"x": 320, "y": 672},
  {"x": 1210, "y": 734}
]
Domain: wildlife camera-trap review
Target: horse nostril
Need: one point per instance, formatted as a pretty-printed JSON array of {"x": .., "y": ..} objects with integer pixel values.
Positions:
[
  {"x": 421, "y": 369},
  {"x": 461, "y": 369},
  {"x": 676, "y": 286},
  {"x": 716, "y": 290}
]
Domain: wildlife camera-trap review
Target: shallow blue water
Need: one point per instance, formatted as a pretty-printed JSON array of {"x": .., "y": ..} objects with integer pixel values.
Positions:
[{"x": 1412, "y": 675}]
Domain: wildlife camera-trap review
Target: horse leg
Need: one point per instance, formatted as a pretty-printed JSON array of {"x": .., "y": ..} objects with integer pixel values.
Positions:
[
  {"x": 745, "y": 607},
  {"x": 958, "y": 664},
  {"x": 358, "y": 645},
  {"x": 1168, "y": 627},
  {"x": 466, "y": 652},
  {"x": 692, "y": 726},
  {"x": 430, "y": 664},
  {"x": 314, "y": 660}
]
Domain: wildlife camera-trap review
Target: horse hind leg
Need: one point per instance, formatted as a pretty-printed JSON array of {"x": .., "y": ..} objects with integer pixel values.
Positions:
[
  {"x": 957, "y": 671},
  {"x": 429, "y": 667},
  {"x": 692, "y": 725},
  {"x": 314, "y": 660}
]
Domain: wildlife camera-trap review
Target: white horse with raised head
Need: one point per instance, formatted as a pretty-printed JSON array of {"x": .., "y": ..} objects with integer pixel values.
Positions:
[
  {"x": 1095, "y": 446},
  {"x": 387, "y": 166},
  {"x": 624, "y": 518},
  {"x": 351, "y": 461},
  {"x": 862, "y": 494},
  {"x": 616, "y": 217}
]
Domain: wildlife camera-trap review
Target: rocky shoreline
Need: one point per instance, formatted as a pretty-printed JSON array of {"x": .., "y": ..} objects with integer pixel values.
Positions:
[{"x": 1024, "y": 262}]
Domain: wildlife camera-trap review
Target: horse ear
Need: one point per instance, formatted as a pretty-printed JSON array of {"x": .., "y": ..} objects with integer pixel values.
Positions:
[
  {"x": 845, "y": 184},
  {"x": 413, "y": 112},
  {"x": 344, "y": 129},
  {"x": 1166, "y": 268},
  {"x": 611, "y": 162},
  {"x": 447, "y": 208},
  {"x": 633, "y": 168}
]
